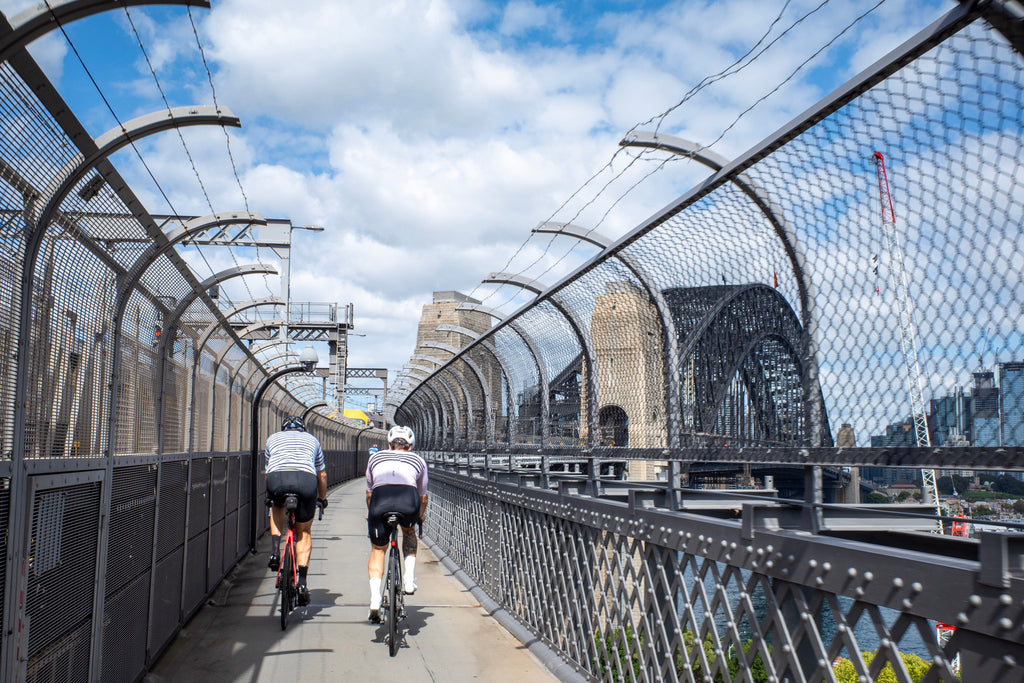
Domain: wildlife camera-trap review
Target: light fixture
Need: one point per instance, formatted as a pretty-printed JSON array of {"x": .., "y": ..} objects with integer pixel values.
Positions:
[{"x": 308, "y": 359}]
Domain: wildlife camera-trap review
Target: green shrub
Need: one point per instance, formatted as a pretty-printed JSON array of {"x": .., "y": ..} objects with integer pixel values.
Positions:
[
  {"x": 758, "y": 671},
  {"x": 612, "y": 648},
  {"x": 916, "y": 667}
]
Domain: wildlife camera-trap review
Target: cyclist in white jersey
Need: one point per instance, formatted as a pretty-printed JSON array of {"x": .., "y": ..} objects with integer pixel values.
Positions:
[
  {"x": 396, "y": 481},
  {"x": 295, "y": 464}
]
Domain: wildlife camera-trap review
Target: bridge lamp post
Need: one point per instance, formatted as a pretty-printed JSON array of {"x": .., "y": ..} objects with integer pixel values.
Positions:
[{"x": 308, "y": 360}]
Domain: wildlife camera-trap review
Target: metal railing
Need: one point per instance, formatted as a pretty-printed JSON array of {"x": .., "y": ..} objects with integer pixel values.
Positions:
[{"x": 637, "y": 582}]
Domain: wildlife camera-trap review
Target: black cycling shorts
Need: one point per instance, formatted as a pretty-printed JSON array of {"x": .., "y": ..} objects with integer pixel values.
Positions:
[
  {"x": 302, "y": 484},
  {"x": 405, "y": 500}
]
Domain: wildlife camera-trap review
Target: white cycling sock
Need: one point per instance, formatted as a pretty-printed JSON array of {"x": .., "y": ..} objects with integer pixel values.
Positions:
[
  {"x": 410, "y": 570},
  {"x": 375, "y": 593}
]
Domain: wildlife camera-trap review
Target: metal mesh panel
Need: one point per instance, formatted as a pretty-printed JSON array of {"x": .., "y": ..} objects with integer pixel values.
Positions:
[
  {"x": 131, "y": 536},
  {"x": 220, "y": 409},
  {"x": 244, "y": 527},
  {"x": 177, "y": 393},
  {"x": 195, "y": 573},
  {"x": 218, "y": 488},
  {"x": 62, "y": 341},
  {"x": 231, "y": 540},
  {"x": 215, "y": 563},
  {"x": 5, "y": 506},
  {"x": 170, "y": 533},
  {"x": 563, "y": 356},
  {"x": 626, "y": 337},
  {"x": 525, "y": 385},
  {"x": 233, "y": 483},
  {"x": 476, "y": 404},
  {"x": 199, "y": 496},
  {"x": 167, "y": 585},
  {"x": 62, "y": 572},
  {"x": 124, "y": 643},
  {"x": 65, "y": 659},
  {"x": 201, "y": 403},
  {"x": 441, "y": 394}
]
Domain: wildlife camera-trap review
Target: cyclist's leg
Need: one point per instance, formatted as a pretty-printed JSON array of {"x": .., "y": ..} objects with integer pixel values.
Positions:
[
  {"x": 411, "y": 508},
  {"x": 378, "y": 532},
  {"x": 305, "y": 489},
  {"x": 409, "y": 546},
  {"x": 275, "y": 491}
]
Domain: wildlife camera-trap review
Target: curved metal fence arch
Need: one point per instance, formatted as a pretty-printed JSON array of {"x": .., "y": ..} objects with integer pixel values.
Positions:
[{"x": 99, "y": 406}]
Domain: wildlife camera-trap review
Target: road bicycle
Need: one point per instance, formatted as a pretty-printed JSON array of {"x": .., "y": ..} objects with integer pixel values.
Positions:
[
  {"x": 392, "y": 605},
  {"x": 288, "y": 569}
]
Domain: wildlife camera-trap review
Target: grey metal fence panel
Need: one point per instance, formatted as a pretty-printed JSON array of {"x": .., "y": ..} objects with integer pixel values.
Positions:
[
  {"x": 132, "y": 515},
  {"x": 199, "y": 496},
  {"x": 231, "y": 552},
  {"x": 170, "y": 533},
  {"x": 5, "y": 509},
  {"x": 196, "y": 561},
  {"x": 66, "y": 658},
  {"x": 218, "y": 488},
  {"x": 61, "y": 576},
  {"x": 167, "y": 608},
  {"x": 124, "y": 643},
  {"x": 215, "y": 559}
]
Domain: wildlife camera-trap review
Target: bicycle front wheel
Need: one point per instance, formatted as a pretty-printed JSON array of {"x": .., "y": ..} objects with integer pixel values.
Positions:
[
  {"x": 394, "y": 588},
  {"x": 287, "y": 584}
]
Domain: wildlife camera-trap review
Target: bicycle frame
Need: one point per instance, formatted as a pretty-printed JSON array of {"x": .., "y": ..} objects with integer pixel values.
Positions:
[
  {"x": 288, "y": 570},
  {"x": 393, "y": 598}
]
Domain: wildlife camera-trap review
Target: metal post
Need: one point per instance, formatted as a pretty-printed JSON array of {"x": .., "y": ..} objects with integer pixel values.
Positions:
[{"x": 254, "y": 431}]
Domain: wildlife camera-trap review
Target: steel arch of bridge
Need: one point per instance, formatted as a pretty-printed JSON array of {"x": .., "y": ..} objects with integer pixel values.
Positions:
[{"x": 750, "y": 332}]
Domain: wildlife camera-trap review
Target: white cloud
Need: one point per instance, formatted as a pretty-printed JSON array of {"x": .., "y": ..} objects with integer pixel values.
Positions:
[
  {"x": 521, "y": 17},
  {"x": 429, "y": 147}
]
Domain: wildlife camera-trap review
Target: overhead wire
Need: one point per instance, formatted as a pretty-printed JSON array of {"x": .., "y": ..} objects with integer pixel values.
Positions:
[
  {"x": 738, "y": 65},
  {"x": 116, "y": 118},
  {"x": 227, "y": 134},
  {"x": 188, "y": 153}
]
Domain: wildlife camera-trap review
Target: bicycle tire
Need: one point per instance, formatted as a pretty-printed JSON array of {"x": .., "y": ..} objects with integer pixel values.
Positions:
[
  {"x": 287, "y": 584},
  {"x": 394, "y": 594}
]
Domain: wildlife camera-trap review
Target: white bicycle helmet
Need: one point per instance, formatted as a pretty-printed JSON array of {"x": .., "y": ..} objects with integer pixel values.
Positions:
[{"x": 399, "y": 432}]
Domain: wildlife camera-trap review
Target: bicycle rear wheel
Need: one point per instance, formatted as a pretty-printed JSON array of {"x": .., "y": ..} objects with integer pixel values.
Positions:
[
  {"x": 287, "y": 584},
  {"x": 394, "y": 594}
]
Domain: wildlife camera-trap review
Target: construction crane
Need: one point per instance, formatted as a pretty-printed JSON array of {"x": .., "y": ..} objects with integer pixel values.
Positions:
[{"x": 908, "y": 334}]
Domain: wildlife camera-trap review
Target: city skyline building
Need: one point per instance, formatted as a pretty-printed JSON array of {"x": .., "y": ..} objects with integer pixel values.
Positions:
[{"x": 1011, "y": 403}]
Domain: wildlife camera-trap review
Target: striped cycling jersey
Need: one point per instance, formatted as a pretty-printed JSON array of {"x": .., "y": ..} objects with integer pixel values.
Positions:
[
  {"x": 404, "y": 468},
  {"x": 294, "y": 450}
]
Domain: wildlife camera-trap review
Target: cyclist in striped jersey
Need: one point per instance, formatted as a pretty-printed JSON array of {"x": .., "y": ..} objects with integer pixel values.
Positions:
[
  {"x": 396, "y": 481},
  {"x": 295, "y": 464}
]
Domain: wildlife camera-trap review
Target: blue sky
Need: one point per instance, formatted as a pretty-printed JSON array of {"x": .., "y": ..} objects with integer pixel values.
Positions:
[{"x": 428, "y": 138}]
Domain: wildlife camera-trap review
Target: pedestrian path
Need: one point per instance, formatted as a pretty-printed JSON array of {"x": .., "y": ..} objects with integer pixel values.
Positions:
[{"x": 238, "y": 637}]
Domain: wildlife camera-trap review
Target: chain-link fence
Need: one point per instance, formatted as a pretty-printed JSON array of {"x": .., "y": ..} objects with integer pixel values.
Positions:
[
  {"x": 842, "y": 301},
  {"x": 861, "y": 267}
]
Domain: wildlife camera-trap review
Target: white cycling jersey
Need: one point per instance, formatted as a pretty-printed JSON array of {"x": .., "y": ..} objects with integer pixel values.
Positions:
[
  {"x": 294, "y": 450},
  {"x": 403, "y": 468}
]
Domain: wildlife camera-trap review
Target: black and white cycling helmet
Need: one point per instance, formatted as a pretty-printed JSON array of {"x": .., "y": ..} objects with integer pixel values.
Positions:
[
  {"x": 400, "y": 433},
  {"x": 293, "y": 422}
]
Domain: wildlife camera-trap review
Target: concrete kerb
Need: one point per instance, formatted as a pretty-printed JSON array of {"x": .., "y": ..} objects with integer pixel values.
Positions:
[{"x": 544, "y": 654}]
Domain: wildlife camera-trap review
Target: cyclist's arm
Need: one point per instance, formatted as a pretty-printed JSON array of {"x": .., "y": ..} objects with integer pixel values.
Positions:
[
  {"x": 423, "y": 508},
  {"x": 321, "y": 484}
]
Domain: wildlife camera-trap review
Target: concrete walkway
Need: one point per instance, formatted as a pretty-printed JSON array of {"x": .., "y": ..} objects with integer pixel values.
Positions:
[{"x": 448, "y": 635}]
